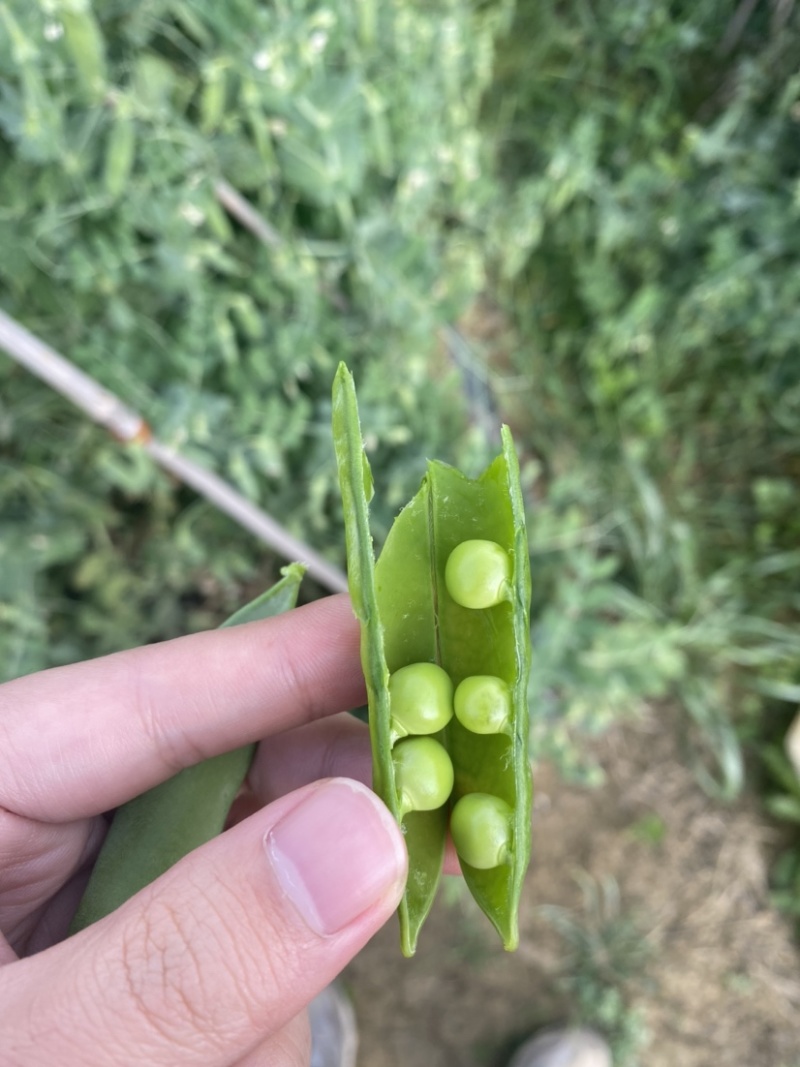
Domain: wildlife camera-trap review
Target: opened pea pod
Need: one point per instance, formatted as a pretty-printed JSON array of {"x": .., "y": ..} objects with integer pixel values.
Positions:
[{"x": 445, "y": 649}]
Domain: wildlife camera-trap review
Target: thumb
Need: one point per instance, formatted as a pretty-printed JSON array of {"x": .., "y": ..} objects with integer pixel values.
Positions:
[{"x": 221, "y": 951}]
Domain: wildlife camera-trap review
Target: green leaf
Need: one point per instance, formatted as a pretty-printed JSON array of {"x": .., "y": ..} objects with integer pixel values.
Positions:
[{"x": 786, "y": 808}]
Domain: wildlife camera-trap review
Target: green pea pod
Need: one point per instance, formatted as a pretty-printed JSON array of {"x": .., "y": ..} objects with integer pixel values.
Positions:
[
  {"x": 409, "y": 615},
  {"x": 212, "y": 99},
  {"x": 153, "y": 831},
  {"x": 86, "y": 45},
  {"x": 120, "y": 157}
]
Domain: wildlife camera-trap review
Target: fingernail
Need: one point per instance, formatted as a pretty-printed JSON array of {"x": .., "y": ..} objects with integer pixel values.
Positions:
[{"x": 336, "y": 854}]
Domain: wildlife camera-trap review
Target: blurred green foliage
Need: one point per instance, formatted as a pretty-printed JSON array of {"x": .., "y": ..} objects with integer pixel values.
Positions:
[
  {"x": 605, "y": 967},
  {"x": 781, "y": 792},
  {"x": 646, "y": 253},
  {"x": 352, "y": 128}
]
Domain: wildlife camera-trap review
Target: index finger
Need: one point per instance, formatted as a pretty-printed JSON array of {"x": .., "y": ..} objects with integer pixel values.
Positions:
[{"x": 77, "y": 740}]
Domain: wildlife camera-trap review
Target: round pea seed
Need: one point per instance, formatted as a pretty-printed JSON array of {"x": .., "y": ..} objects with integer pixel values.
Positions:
[
  {"x": 423, "y": 774},
  {"x": 483, "y": 704},
  {"x": 421, "y": 699},
  {"x": 477, "y": 574},
  {"x": 481, "y": 829}
]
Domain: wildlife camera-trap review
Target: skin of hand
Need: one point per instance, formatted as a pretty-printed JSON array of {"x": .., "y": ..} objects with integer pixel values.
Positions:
[{"x": 215, "y": 962}]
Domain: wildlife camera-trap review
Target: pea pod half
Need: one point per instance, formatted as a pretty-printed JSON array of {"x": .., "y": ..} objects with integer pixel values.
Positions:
[
  {"x": 452, "y": 588},
  {"x": 153, "y": 831}
]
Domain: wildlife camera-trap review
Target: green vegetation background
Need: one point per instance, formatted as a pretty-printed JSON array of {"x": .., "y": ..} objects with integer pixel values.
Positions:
[{"x": 615, "y": 188}]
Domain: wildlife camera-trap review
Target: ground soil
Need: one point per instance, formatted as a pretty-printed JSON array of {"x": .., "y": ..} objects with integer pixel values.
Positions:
[{"x": 721, "y": 984}]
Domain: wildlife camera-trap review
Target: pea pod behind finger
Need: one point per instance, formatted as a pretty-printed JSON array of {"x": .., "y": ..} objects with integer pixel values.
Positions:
[
  {"x": 451, "y": 587},
  {"x": 153, "y": 831}
]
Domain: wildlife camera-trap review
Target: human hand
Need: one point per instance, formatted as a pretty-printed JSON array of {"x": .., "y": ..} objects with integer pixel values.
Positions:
[{"x": 214, "y": 963}]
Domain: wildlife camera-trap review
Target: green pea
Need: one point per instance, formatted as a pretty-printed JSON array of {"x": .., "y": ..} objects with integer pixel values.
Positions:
[
  {"x": 478, "y": 574},
  {"x": 483, "y": 704},
  {"x": 408, "y": 617},
  {"x": 423, "y": 774},
  {"x": 481, "y": 827},
  {"x": 421, "y": 698}
]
